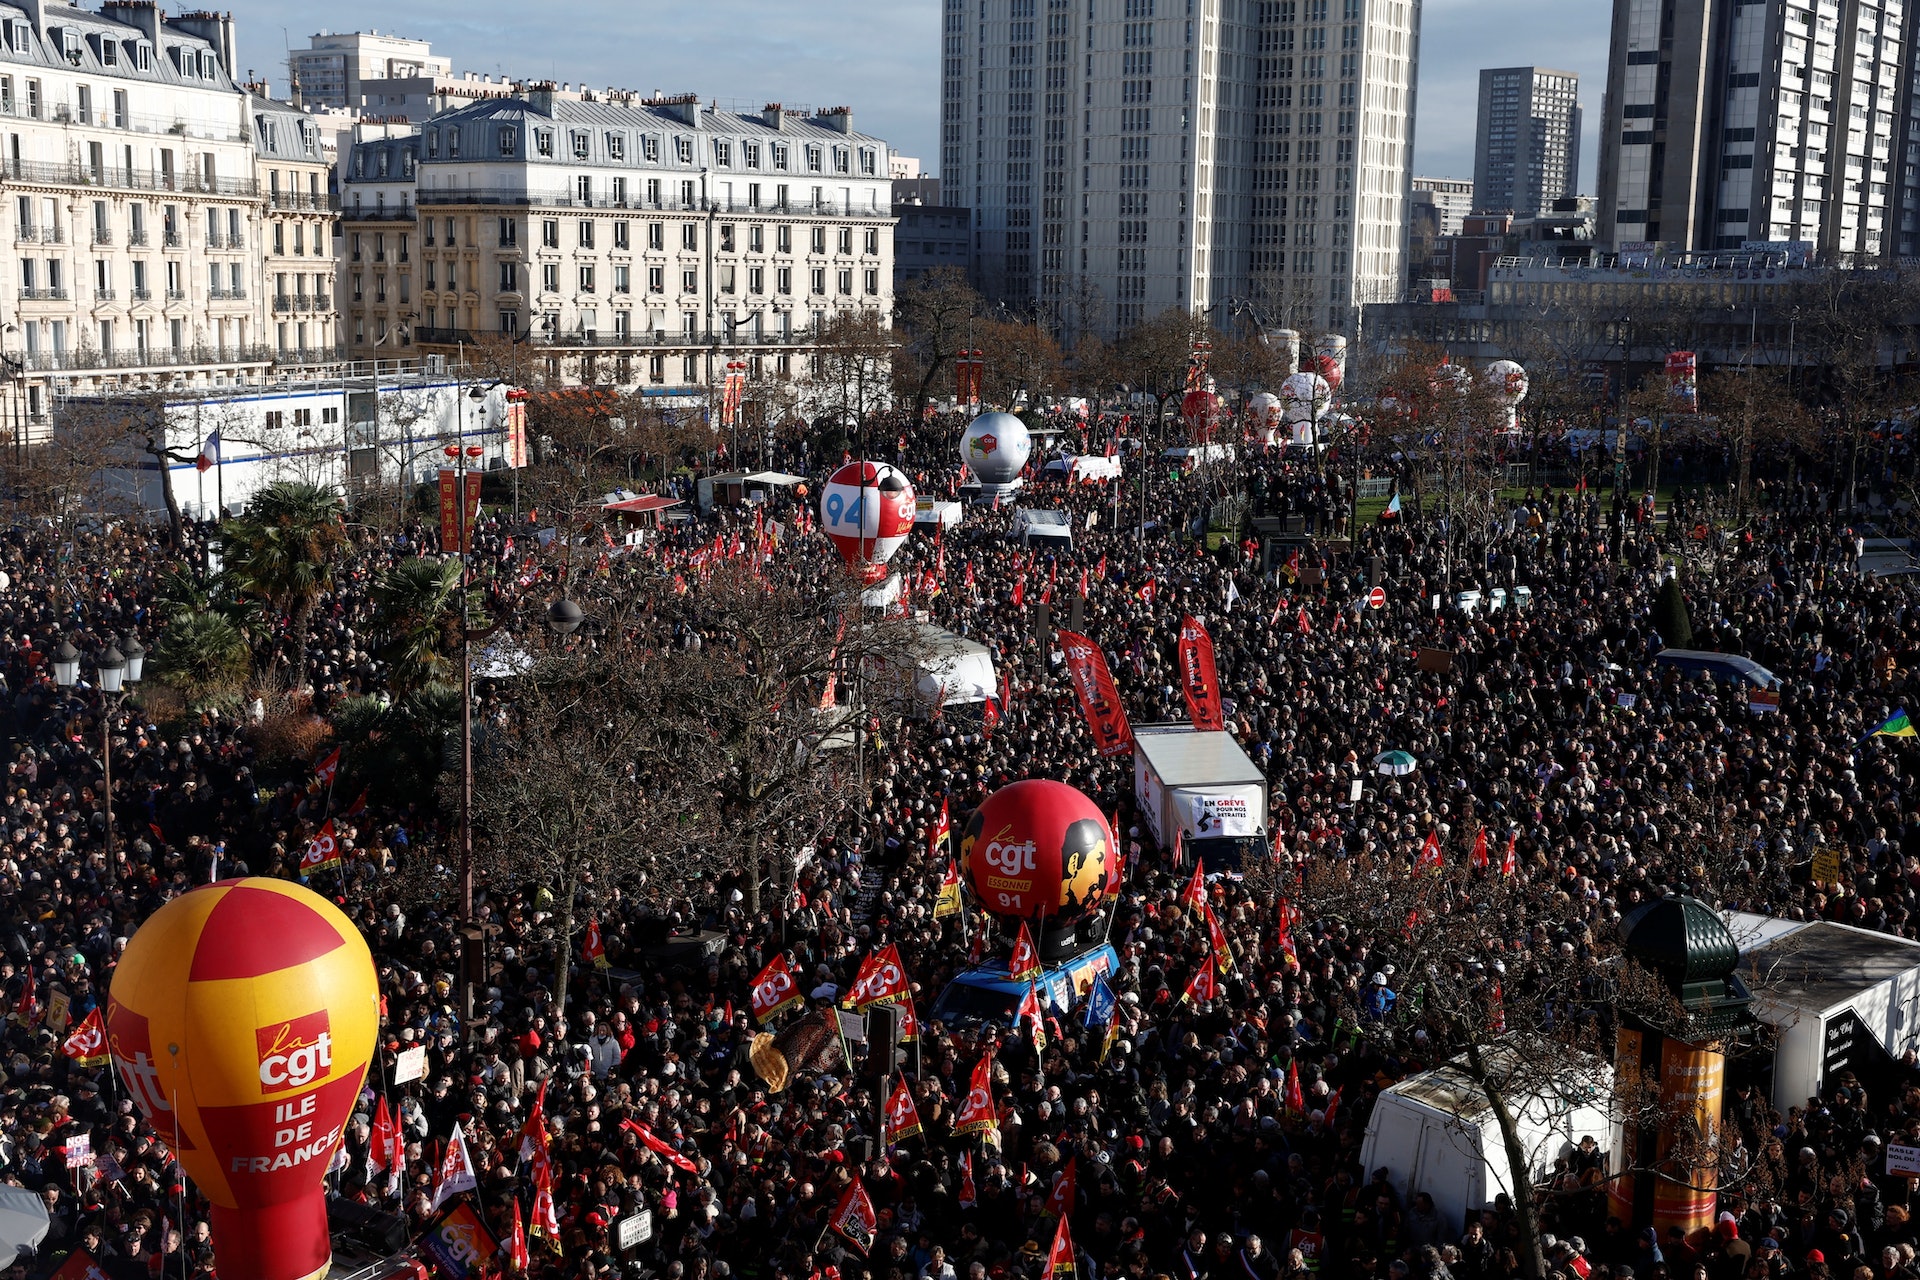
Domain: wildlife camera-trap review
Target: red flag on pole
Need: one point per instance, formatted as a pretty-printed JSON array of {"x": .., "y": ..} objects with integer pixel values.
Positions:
[
  {"x": 854, "y": 1217},
  {"x": 322, "y": 851},
  {"x": 1479, "y": 858},
  {"x": 1099, "y": 695},
  {"x": 1296, "y": 1100},
  {"x": 1430, "y": 858},
  {"x": 1060, "y": 1256},
  {"x": 1194, "y": 898},
  {"x": 976, "y": 1113},
  {"x": 1508, "y": 864},
  {"x": 592, "y": 950},
  {"x": 1025, "y": 964},
  {"x": 1204, "y": 986},
  {"x": 1199, "y": 678},
  {"x": 773, "y": 990},
  {"x": 517, "y": 1241},
  {"x": 903, "y": 1118},
  {"x": 87, "y": 1046},
  {"x": 660, "y": 1147}
]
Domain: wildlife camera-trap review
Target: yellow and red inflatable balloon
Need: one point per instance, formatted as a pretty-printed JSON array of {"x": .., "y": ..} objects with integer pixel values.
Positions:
[{"x": 241, "y": 1020}]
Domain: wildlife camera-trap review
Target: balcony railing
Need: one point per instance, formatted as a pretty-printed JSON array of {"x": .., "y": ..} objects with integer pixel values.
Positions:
[
  {"x": 53, "y": 235},
  {"x": 27, "y": 235},
  {"x": 103, "y": 235},
  {"x": 282, "y": 302},
  {"x": 616, "y": 341},
  {"x": 50, "y": 361},
  {"x": 171, "y": 239},
  {"x": 132, "y": 121},
  {"x": 43, "y": 295},
  {"x": 83, "y": 175},
  {"x": 103, "y": 295},
  {"x": 138, "y": 239},
  {"x": 176, "y": 295},
  {"x": 323, "y": 302},
  {"x": 797, "y": 205},
  {"x": 141, "y": 295}
]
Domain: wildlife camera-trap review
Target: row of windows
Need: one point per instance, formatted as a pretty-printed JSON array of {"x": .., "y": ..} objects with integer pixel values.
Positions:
[
  {"x": 726, "y": 281},
  {"x": 615, "y": 145},
  {"x": 47, "y": 279}
]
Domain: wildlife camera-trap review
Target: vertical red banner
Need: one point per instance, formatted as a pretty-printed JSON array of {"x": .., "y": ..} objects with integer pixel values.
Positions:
[
  {"x": 1199, "y": 678},
  {"x": 449, "y": 510},
  {"x": 1099, "y": 696}
]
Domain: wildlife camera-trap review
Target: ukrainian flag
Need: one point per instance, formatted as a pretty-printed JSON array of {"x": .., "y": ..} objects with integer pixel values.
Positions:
[{"x": 1895, "y": 726}]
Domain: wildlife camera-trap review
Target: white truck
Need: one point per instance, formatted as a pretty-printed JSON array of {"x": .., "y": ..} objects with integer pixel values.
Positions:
[{"x": 1203, "y": 786}]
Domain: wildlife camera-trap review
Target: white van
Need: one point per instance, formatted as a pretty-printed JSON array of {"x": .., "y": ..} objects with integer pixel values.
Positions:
[{"x": 1435, "y": 1132}]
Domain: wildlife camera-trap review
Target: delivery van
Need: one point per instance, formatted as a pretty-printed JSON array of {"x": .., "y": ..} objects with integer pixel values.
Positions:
[{"x": 1205, "y": 788}]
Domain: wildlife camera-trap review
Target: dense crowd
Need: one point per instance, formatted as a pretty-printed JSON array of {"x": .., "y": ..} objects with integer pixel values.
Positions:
[{"x": 1186, "y": 1156}]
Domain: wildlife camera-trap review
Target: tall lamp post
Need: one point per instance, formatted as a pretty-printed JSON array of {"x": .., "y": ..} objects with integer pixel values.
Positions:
[{"x": 118, "y": 672}]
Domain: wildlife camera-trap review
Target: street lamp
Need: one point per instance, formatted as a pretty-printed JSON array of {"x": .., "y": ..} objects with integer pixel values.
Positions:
[
  {"x": 118, "y": 672},
  {"x": 66, "y": 665}
]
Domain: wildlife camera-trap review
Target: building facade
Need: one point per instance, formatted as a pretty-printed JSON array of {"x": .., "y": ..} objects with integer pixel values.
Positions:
[
  {"x": 131, "y": 205},
  {"x": 298, "y": 233},
  {"x": 1444, "y": 200},
  {"x": 929, "y": 237},
  {"x": 1526, "y": 140},
  {"x": 1765, "y": 122},
  {"x": 1126, "y": 156},
  {"x": 333, "y": 69},
  {"x": 378, "y": 310},
  {"x": 646, "y": 241}
]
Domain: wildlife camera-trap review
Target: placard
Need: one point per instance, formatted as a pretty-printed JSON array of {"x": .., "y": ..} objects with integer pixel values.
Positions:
[
  {"x": 633, "y": 1230},
  {"x": 410, "y": 1065},
  {"x": 1826, "y": 865},
  {"x": 1903, "y": 1160},
  {"x": 79, "y": 1150}
]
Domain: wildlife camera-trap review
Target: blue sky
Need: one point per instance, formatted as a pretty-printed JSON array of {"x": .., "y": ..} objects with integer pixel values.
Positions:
[{"x": 880, "y": 57}]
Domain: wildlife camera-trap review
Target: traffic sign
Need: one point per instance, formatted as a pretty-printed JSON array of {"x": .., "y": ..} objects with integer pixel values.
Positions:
[{"x": 1377, "y": 598}]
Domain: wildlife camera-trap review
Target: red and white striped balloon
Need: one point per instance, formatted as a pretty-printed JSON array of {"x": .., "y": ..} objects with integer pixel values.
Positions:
[{"x": 867, "y": 510}]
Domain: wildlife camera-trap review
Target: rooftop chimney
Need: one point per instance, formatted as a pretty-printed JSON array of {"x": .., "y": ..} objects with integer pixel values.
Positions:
[{"x": 839, "y": 119}]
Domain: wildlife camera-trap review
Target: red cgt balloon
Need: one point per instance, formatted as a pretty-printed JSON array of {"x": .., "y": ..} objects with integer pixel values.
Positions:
[{"x": 1040, "y": 850}]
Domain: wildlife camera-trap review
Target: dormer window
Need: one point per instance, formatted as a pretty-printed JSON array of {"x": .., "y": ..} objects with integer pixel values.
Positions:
[
  {"x": 840, "y": 160},
  {"x": 19, "y": 36},
  {"x": 581, "y": 143},
  {"x": 683, "y": 148},
  {"x": 509, "y": 141},
  {"x": 750, "y": 154},
  {"x": 867, "y": 161},
  {"x": 543, "y": 143},
  {"x": 109, "y": 50},
  {"x": 70, "y": 46},
  {"x": 433, "y": 144},
  {"x": 723, "y": 153},
  {"x": 359, "y": 164},
  {"x": 381, "y": 170},
  {"x": 779, "y": 155},
  {"x": 650, "y": 148},
  {"x": 813, "y": 159},
  {"x": 453, "y": 143},
  {"x": 143, "y": 57},
  {"x": 206, "y": 66},
  {"x": 616, "y": 146}
]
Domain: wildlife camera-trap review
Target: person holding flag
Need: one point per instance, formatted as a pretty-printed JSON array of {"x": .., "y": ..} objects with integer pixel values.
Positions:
[
  {"x": 1103, "y": 1011},
  {"x": 903, "y": 1118},
  {"x": 1030, "y": 1013},
  {"x": 948, "y": 902},
  {"x": 853, "y": 1218},
  {"x": 774, "y": 990}
]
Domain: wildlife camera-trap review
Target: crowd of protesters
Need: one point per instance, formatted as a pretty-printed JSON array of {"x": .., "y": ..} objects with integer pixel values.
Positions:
[{"x": 1189, "y": 1158}]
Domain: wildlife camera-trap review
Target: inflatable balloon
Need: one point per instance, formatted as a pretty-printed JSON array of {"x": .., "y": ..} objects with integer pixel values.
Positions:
[
  {"x": 240, "y": 1021},
  {"x": 867, "y": 511},
  {"x": 1040, "y": 850},
  {"x": 1265, "y": 409},
  {"x": 1284, "y": 345},
  {"x": 995, "y": 448},
  {"x": 1331, "y": 359},
  {"x": 1507, "y": 384},
  {"x": 1303, "y": 397},
  {"x": 1449, "y": 378}
]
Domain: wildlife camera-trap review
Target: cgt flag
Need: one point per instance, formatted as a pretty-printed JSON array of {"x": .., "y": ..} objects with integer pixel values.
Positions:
[
  {"x": 948, "y": 903},
  {"x": 456, "y": 1170},
  {"x": 665, "y": 1150},
  {"x": 976, "y": 1113},
  {"x": 1199, "y": 678},
  {"x": 774, "y": 990},
  {"x": 461, "y": 1243},
  {"x": 1024, "y": 966},
  {"x": 1060, "y": 1256},
  {"x": 593, "y": 949},
  {"x": 882, "y": 980},
  {"x": 854, "y": 1218},
  {"x": 1029, "y": 1012},
  {"x": 323, "y": 850},
  {"x": 1099, "y": 695},
  {"x": 903, "y": 1118},
  {"x": 87, "y": 1046}
]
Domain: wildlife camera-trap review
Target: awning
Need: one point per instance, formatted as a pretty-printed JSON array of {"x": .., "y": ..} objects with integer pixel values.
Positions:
[
  {"x": 772, "y": 477},
  {"x": 642, "y": 505}
]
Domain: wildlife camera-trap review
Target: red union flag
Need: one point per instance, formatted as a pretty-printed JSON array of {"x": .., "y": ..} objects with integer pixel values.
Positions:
[
  {"x": 323, "y": 850},
  {"x": 948, "y": 903},
  {"x": 1199, "y": 678},
  {"x": 882, "y": 980},
  {"x": 903, "y": 1118},
  {"x": 88, "y": 1043},
  {"x": 328, "y": 766},
  {"x": 855, "y": 1219},
  {"x": 593, "y": 950},
  {"x": 1203, "y": 986},
  {"x": 773, "y": 990},
  {"x": 1099, "y": 695},
  {"x": 976, "y": 1113},
  {"x": 1025, "y": 963},
  {"x": 1064, "y": 1197}
]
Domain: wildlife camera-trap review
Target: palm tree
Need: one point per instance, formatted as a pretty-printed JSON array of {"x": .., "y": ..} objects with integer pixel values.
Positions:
[
  {"x": 281, "y": 550},
  {"x": 204, "y": 656},
  {"x": 418, "y": 605}
]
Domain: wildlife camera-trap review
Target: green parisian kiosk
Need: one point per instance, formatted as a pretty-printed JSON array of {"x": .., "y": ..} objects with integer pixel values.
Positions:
[{"x": 1670, "y": 1071}]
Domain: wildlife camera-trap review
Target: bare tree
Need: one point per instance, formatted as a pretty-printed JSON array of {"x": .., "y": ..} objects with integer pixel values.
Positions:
[{"x": 935, "y": 314}]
